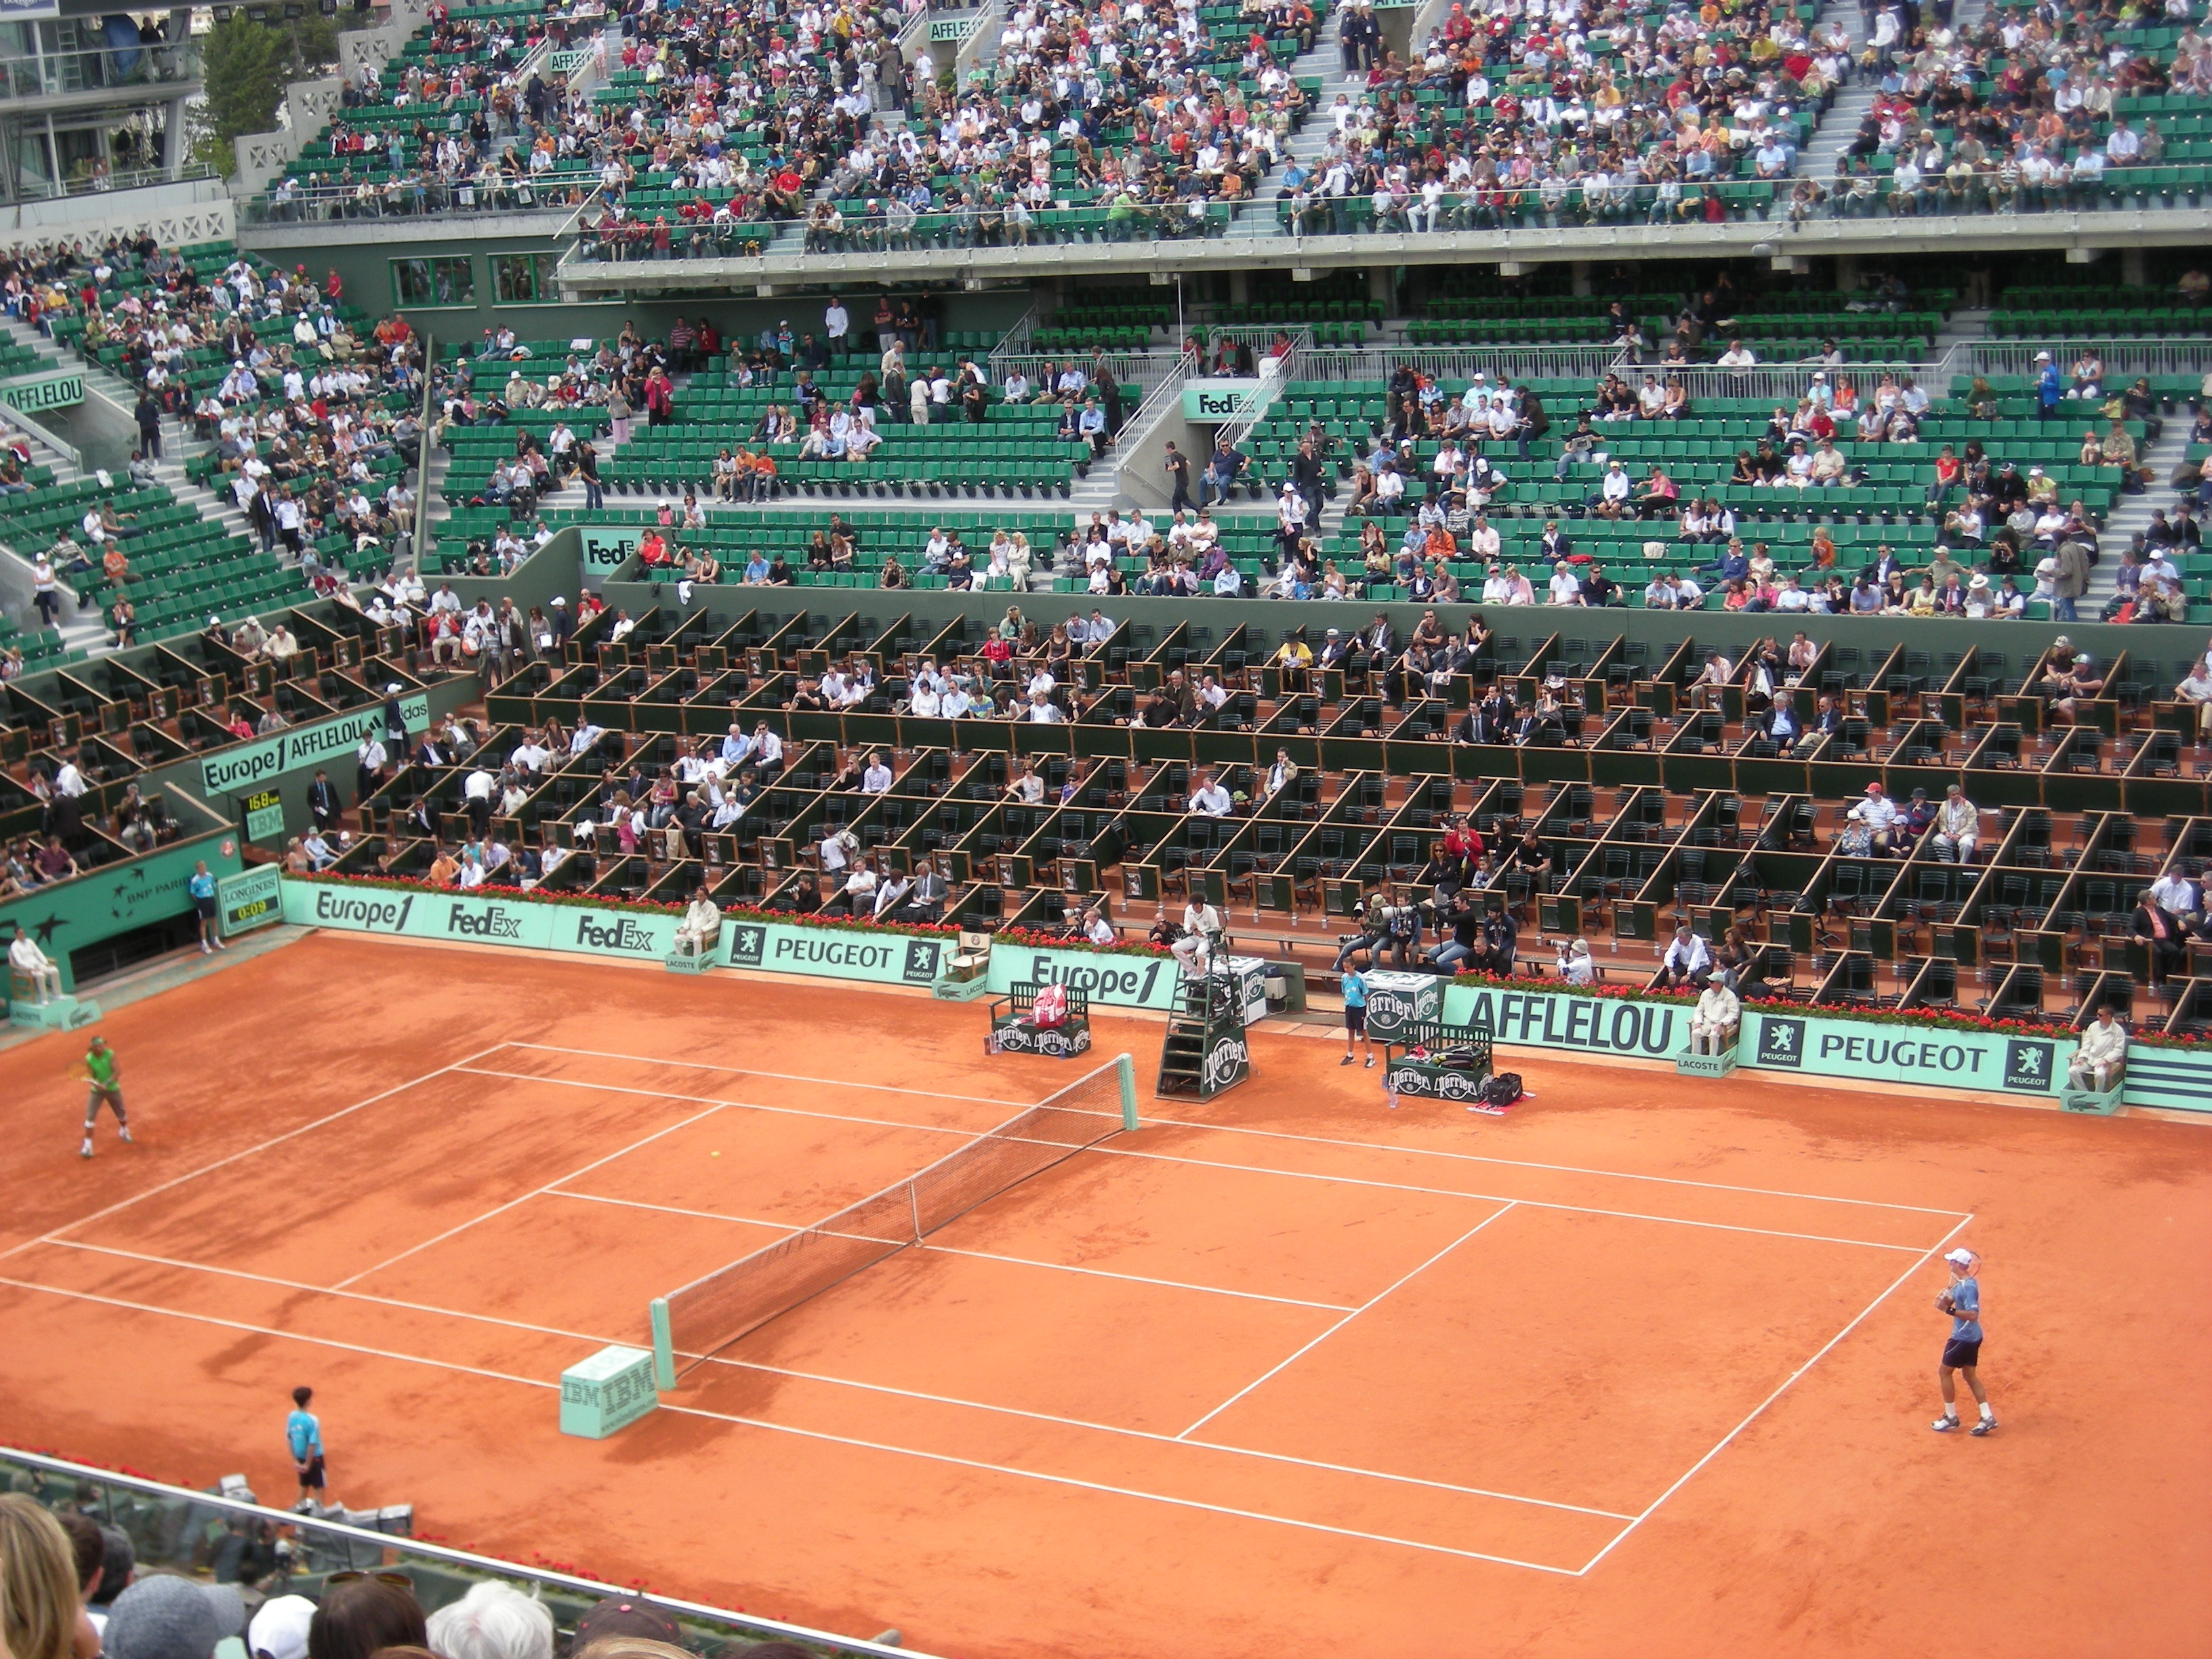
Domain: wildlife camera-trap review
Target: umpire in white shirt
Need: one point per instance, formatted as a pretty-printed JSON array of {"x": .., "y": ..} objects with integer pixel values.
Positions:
[
  {"x": 1713, "y": 1023},
  {"x": 25, "y": 958},
  {"x": 2103, "y": 1050}
]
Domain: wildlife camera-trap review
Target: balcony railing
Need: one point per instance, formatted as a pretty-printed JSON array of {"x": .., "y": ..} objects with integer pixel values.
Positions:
[{"x": 53, "y": 73}]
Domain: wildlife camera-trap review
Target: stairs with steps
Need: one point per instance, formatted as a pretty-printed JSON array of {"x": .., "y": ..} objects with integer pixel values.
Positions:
[
  {"x": 2132, "y": 516},
  {"x": 1204, "y": 1050},
  {"x": 84, "y": 629},
  {"x": 1257, "y": 218},
  {"x": 177, "y": 442}
]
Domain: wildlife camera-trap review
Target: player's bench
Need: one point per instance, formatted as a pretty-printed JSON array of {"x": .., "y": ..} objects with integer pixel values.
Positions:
[{"x": 1014, "y": 1030}]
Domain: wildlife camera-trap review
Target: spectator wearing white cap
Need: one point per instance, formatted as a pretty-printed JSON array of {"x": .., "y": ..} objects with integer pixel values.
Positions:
[
  {"x": 279, "y": 1630},
  {"x": 1961, "y": 1301}
]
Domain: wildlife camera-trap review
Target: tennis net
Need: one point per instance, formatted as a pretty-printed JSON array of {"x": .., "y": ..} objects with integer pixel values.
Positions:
[{"x": 713, "y": 1311}]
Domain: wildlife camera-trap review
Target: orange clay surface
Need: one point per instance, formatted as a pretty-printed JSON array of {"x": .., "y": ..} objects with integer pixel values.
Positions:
[{"x": 1643, "y": 1367}]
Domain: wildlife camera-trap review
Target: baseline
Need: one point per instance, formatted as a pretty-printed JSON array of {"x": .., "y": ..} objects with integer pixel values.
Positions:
[
  {"x": 55, "y": 1234},
  {"x": 1759, "y": 1410}
]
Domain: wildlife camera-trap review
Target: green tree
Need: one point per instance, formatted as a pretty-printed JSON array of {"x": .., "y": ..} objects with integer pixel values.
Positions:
[{"x": 247, "y": 66}]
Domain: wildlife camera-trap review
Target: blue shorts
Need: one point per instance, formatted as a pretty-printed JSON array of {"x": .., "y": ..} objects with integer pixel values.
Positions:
[{"x": 1960, "y": 1354}]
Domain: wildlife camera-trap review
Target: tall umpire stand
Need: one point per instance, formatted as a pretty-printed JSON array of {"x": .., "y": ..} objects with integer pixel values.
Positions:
[{"x": 1206, "y": 1051}]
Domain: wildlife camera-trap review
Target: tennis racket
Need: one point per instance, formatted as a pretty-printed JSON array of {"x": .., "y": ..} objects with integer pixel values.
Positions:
[{"x": 78, "y": 1071}]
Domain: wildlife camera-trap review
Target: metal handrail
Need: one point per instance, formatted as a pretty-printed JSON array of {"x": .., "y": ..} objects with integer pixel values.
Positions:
[
  {"x": 373, "y": 1546},
  {"x": 1016, "y": 341},
  {"x": 2122, "y": 354},
  {"x": 1166, "y": 395},
  {"x": 67, "y": 451},
  {"x": 1275, "y": 374}
]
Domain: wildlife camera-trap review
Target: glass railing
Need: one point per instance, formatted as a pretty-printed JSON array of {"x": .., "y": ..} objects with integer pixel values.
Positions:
[
  {"x": 49, "y": 73},
  {"x": 965, "y": 226},
  {"x": 413, "y": 197},
  {"x": 96, "y": 184},
  {"x": 232, "y": 1540},
  {"x": 1693, "y": 204}
]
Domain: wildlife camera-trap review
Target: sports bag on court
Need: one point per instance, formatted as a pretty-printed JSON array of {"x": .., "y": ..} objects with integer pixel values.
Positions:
[
  {"x": 1503, "y": 1089},
  {"x": 1051, "y": 1008}
]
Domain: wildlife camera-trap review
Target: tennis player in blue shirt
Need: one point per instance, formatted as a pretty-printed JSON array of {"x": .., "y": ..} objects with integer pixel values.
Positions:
[{"x": 1962, "y": 1301}]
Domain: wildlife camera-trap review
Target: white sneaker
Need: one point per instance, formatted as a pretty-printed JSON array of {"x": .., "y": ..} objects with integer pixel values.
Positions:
[
  {"x": 206, "y": 950},
  {"x": 1944, "y": 1425},
  {"x": 123, "y": 1135},
  {"x": 1984, "y": 1426},
  {"x": 85, "y": 1151},
  {"x": 220, "y": 946}
]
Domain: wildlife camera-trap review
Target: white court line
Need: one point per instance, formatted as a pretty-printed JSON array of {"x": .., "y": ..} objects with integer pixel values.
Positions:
[
  {"x": 805, "y": 1434},
  {"x": 1167, "y": 1439},
  {"x": 524, "y": 1198},
  {"x": 265, "y": 1330},
  {"x": 676, "y": 1209},
  {"x": 1272, "y": 1134},
  {"x": 1760, "y": 1409},
  {"x": 1555, "y": 1168},
  {"x": 754, "y": 1071},
  {"x": 1342, "y": 1322},
  {"x": 1103, "y": 1150},
  {"x": 1217, "y": 1163},
  {"x": 261, "y": 1146},
  {"x": 980, "y": 1256},
  {"x": 747, "y": 1105},
  {"x": 1135, "y": 1279},
  {"x": 1125, "y": 1491},
  {"x": 810, "y": 1376},
  {"x": 324, "y": 1290}
]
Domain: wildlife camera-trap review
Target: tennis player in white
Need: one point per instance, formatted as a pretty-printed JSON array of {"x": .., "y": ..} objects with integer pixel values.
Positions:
[{"x": 1962, "y": 1301}]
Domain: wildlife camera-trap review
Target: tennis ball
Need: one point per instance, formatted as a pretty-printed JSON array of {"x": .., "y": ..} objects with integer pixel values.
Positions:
[{"x": 713, "y": 1155}]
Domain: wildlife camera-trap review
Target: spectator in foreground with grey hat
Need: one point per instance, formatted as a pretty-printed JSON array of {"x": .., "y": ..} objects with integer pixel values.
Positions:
[
  {"x": 41, "y": 1614},
  {"x": 164, "y": 1616}
]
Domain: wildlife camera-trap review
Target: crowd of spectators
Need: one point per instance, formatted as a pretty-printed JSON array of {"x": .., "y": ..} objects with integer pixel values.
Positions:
[
  {"x": 2044, "y": 135},
  {"x": 746, "y": 110},
  {"x": 1570, "y": 114},
  {"x": 479, "y": 126},
  {"x": 74, "y": 1587},
  {"x": 301, "y": 417}
]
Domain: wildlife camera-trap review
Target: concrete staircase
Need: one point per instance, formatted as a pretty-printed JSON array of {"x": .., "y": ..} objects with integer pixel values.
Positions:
[
  {"x": 1257, "y": 219},
  {"x": 177, "y": 442},
  {"x": 2132, "y": 516}
]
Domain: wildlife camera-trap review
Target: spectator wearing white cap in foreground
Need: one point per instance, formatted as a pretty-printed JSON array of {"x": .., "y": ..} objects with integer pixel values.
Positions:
[{"x": 279, "y": 1630}]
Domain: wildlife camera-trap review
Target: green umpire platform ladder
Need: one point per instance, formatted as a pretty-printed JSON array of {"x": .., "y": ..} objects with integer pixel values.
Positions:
[{"x": 1205, "y": 1051}]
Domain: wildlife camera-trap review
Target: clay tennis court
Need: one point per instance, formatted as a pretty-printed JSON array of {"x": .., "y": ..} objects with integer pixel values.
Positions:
[{"x": 1644, "y": 1365}]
